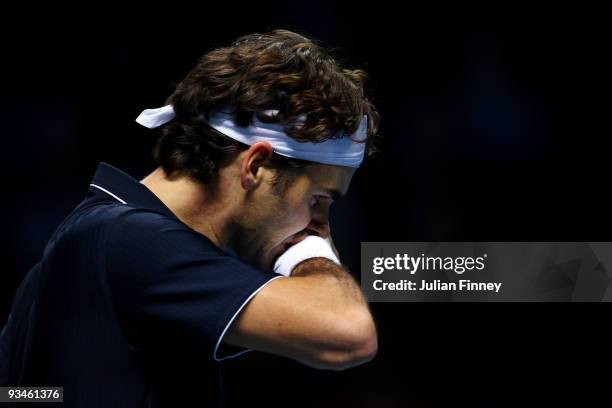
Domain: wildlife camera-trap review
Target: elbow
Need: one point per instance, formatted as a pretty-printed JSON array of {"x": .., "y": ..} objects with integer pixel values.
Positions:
[
  {"x": 362, "y": 349},
  {"x": 354, "y": 342},
  {"x": 363, "y": 344}
]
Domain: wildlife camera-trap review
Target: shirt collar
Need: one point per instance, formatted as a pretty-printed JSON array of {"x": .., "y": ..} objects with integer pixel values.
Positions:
[{"x": 126, "y": 189}]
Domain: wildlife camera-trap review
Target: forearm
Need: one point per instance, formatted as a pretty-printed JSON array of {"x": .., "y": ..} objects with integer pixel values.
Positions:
[
  {"x": 317, "y": 316},
  {"x": 337, "y": 294},
  {"x": 345, "y": 284}
]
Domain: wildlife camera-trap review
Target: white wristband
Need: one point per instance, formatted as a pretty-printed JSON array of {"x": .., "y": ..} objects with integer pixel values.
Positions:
[{"x": 312, "y": 246}]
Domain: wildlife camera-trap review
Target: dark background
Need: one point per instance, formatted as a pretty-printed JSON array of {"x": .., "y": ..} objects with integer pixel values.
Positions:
[{"x": 496, "y": 129}]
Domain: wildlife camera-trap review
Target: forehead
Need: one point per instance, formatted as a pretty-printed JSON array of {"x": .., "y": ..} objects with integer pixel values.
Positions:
[{"x": 334, "y": 178}]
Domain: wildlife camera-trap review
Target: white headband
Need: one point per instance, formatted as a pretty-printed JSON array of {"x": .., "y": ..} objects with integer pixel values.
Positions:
[{"x": 339, "y": 151}]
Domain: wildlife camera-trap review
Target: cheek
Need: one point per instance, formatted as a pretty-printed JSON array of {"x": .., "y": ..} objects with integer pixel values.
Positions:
[{"x": 294, "y": 219}]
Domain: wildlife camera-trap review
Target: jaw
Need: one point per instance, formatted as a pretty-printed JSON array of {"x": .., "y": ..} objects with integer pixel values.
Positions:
[{"x": 256, "y": 253}]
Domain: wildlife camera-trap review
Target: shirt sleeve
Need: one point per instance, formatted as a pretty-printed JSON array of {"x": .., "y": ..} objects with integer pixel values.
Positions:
[{"x": 172, "y": 287}]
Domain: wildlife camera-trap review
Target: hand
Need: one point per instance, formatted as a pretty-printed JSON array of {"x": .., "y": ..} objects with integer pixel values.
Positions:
[{"x": 312, "y": 246}]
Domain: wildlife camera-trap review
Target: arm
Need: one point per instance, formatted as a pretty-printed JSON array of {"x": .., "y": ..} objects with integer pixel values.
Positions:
[{"x": 317, "y": 316}]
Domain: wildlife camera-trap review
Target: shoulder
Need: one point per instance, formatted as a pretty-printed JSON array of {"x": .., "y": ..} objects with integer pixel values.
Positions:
[{"x": 152, "y": 234}]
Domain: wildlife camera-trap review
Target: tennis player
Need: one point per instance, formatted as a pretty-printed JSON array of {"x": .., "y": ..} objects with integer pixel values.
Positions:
[{"x": 224, "y": 248}]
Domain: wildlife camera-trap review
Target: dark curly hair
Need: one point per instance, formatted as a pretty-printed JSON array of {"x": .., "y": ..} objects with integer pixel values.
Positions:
[{"x": 279, "y": 70}]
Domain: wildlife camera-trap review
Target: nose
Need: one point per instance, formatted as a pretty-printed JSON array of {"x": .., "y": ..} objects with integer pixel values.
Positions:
[
  {"x": 319, "y": 222},
  {"x": 320, "y": 228},
  {"x": 298, "y": 237}
]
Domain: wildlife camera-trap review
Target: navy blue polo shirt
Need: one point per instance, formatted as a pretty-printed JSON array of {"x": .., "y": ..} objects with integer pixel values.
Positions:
[{"x": 128, "y": 306}]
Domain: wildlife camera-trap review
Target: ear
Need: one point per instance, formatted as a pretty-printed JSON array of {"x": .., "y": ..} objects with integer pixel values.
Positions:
[{"x": 253, "y": 163}]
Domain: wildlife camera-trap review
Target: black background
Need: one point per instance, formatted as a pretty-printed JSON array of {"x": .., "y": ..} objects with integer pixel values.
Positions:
[{"x": 496, "y": 129}]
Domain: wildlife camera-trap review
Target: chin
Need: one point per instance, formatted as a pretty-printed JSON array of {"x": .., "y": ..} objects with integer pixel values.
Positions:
[
  {"x": 264, "y": 258},
  {"x": 274, "y": 254}
]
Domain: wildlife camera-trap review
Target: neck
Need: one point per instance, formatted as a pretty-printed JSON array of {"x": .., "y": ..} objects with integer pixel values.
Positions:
[{"x": 196, "y": 205}]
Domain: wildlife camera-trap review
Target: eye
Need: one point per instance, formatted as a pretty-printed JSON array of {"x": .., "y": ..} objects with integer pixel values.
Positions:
[{"x": 316, "y": 200}]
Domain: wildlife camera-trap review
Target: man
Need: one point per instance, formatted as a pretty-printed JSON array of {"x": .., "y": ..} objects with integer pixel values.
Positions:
[{"x": 225, "y": 247}]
